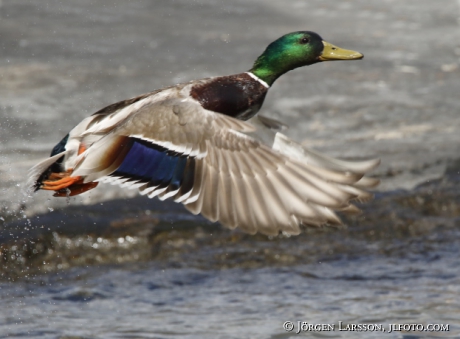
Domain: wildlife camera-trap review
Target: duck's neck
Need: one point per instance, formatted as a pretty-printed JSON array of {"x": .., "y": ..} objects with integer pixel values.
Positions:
[
  {"x": 266, "y": 74},
  {"x": 259, "y": 80},
  {"x": 270, "y": 66}
]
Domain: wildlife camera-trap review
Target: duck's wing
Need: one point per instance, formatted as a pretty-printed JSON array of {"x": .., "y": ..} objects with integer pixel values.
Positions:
[
  {"x": 269, "y": 131},
  {"x": 217, "y": 166}
]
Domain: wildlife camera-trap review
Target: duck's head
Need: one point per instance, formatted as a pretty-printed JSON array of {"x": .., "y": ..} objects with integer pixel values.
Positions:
[{"x": 294, "y": 50}]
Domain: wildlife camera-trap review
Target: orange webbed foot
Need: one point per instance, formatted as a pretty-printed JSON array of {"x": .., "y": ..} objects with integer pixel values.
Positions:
[
  {"x": 65, "y": 185},
  {"x": 56, "y": 176},
  {"x": 62, "y": 180}
]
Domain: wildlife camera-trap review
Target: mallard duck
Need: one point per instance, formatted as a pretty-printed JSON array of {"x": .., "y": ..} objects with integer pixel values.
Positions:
[{"x": 202, "y": 144}]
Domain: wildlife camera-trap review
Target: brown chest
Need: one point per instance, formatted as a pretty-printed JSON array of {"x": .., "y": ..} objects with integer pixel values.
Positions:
[{"x": 239, "y": 95}]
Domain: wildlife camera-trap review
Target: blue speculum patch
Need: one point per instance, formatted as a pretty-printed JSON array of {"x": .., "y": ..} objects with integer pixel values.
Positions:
[{"x": 150, "y": 163}]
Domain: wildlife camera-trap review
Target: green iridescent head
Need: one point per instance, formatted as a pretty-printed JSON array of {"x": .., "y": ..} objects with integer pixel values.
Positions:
[{"x": 295, "y": 50}]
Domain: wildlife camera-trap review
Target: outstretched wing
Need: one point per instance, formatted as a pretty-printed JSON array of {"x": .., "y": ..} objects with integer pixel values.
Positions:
[{"x": 211, "y": 163}]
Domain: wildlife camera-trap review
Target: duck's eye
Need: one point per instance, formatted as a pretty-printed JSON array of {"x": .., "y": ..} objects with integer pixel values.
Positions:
[{"x": 304, "y": 40}]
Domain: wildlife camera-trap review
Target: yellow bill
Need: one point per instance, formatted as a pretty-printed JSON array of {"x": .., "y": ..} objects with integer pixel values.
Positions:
[{"x": 331, "y": 52}]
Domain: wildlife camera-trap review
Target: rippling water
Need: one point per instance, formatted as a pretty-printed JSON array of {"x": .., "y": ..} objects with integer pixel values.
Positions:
[
  {"x": 396, "y": 264},
  {"x": 153, "y": 301}
]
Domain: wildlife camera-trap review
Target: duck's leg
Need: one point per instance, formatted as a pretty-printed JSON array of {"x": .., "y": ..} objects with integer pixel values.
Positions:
[
  {"x": 75, "y": 189},
  {"x": 60, "y": 180},
  {"x": 62, "y": 183},
  {"x": 55, "y": 176}
]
